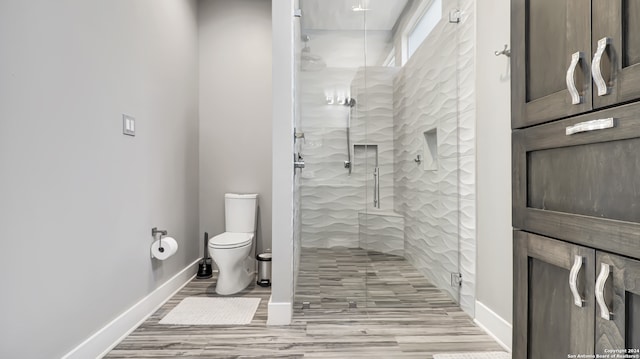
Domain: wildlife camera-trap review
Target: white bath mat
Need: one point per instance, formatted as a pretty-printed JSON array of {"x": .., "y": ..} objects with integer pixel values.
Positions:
[
  {"x": 212, "y": 311},
  {"x": 482, "y": 355}
]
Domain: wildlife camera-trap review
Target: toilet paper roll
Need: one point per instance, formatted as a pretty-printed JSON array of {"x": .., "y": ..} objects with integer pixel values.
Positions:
[{"x": 169, "y": 248}]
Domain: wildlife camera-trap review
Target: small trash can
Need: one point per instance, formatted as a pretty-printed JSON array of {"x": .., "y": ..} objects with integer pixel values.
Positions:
[{"x": 264, "y": 269}]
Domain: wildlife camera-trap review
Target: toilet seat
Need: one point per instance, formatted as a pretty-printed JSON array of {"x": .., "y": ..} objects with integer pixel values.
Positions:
[{"x": 228, "y": 240}]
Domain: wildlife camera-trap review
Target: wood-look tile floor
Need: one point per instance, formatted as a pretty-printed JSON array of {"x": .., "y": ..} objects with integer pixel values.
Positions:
[{"x": 399, "y": 315}]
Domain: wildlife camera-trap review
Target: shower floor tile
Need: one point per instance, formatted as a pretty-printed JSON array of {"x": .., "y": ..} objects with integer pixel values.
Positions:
[{"x": 331, "y": 277}]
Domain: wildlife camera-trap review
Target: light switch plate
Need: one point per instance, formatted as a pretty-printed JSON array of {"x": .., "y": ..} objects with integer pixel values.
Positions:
[{"x": 128, "y": 125}]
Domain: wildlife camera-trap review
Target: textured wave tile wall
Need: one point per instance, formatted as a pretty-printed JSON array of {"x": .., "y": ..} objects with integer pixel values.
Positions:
[
  {"x": 438, "y": 206},
  {"x": 467, "y": 160},
  {"x": 331, "y": 198},
  {"x": 382, "y": 232},
  {"x": 372, "y": 123},
  {"x": 297, "y": 229},
  {"x": 297, "y": 219}
]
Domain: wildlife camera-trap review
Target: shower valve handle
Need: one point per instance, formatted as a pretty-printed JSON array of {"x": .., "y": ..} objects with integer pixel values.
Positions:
[{"x": 298, "y": 161}]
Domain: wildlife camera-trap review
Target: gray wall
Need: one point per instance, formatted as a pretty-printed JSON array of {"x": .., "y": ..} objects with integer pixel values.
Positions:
[
  {"x": 78, "y": 198},
  {"x": 235, "y": 109},
  {"x": 494, "y": 288}
]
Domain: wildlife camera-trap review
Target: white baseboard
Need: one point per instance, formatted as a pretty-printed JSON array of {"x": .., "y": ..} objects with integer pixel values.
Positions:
[
  {"x": 494, "y": 325},
  {"x": 279, "y": 313},
  {"x": 105, "y": 339}
]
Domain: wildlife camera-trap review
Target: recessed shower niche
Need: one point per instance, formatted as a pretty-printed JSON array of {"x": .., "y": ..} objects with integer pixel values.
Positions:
[
  {"x": 430, "y": 150},
  {"x": 365, "y": 154}
]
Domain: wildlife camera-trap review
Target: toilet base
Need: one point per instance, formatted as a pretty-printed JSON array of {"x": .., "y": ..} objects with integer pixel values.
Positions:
[
  {"x": 232, "y": 282},
  {"x": 234, "y": 272}
]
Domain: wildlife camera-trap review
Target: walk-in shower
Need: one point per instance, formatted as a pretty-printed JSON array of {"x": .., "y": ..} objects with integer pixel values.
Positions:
[{"x": 380, "y": 202}]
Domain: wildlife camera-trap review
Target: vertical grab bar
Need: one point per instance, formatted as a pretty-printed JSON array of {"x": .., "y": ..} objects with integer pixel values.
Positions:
[
  {"x": 347, "y": 163},
  {"x": 376, "y": 187}
]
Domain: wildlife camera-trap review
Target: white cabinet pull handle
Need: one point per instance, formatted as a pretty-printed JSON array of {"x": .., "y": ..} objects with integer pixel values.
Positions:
[
  {"x": 592, "y": 125},
  {"x": 605, "y": 269},
  {"x": 596, "y": 70},
  {"x": 571, "y": 82},
  {"x": 573, "y": 279}
]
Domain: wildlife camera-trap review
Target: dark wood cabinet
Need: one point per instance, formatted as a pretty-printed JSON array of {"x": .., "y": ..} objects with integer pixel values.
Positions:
[
  {"x": 571, "y": 299},
  {"x": 573, "y": 56},
  {"x": 616, "y": 39},
  {"x": 548, "y": 323},
  {"x": 576, "y": 177},
  {"x": 619, "y": 326},
  {"x": 581, "y": 186},
  {"x": 545, "y": 36}
]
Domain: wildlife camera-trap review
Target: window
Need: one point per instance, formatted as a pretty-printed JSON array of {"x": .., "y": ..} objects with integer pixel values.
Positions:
[{"x": 423, "y": 26}]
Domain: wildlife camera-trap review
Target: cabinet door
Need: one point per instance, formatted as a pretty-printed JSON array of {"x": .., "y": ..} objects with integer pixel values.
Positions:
[
  {"x": 544, "y": 36},
  {"x": 583, "y": 187},
  {"x": 616, "y": 29},
  {"x": 619, "y": 328},
  {"x": 547, "y": 321}
]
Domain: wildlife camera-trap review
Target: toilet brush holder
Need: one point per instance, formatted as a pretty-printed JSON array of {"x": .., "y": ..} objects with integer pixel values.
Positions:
[{"x": 205, "y": 270}]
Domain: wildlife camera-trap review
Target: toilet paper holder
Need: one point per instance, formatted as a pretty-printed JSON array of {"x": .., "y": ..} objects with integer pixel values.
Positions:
[{"x": 158, "y": 232}]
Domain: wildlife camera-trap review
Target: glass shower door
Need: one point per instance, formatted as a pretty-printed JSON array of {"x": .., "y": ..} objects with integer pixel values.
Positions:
[
  {"x": 379, "y": 208},
  {"x": 331, "y": 55},
  {"x": 412, "y": 111}
]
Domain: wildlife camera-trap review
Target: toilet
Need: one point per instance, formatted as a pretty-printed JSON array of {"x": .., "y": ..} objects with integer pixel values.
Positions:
[{"x": 231, "y": 249}]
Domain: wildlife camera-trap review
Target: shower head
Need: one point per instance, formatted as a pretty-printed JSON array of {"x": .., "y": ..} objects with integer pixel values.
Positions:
[{"x": 309, "y": 61}]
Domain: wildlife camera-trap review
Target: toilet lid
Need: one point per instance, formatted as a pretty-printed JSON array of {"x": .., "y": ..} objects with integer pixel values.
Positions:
[{"x": 230, "y": 240}]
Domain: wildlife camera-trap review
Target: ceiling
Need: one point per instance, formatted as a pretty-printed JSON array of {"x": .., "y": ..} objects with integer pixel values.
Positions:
[
  {"x": 336, "y": 33},
  {"x": 339, "y": 14}
]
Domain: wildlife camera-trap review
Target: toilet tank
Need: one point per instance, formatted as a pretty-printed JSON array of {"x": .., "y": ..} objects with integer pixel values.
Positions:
[{"x": 240, "y": 212}]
